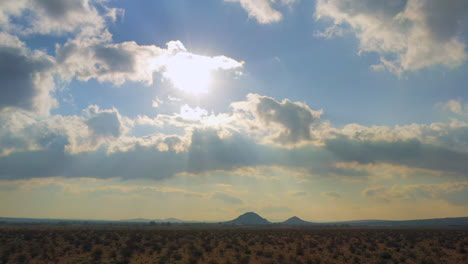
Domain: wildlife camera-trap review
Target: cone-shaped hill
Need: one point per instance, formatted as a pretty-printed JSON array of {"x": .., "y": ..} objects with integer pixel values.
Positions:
[
  {"x": 249, "y": 218},
  {"x": 295, "y": 221}
]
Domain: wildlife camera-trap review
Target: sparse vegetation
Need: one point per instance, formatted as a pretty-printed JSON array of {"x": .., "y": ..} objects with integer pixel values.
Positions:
[{"x": 215, "y": 244}]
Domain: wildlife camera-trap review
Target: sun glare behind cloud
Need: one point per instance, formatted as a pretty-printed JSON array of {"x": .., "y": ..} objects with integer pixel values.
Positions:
[
  {"x": 189, "y": 74},
  {"x": 193, "y": 73}
]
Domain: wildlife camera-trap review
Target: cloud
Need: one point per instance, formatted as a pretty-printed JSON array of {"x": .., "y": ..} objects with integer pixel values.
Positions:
[
  {"x": 116, "y": 63},
  {"x": 226, "y": 198},
  {"x": 264, "y": 11},
  {"x": 104, "y": 123},
  {"x": 408, "y": 35},
  {"x": 411, "y": 153},
  {"x": 452, "y": 192},
  {"x": 53, "y": 161},
  {"x": 25, "y": 77},
  {"x": 90, "y": 186},
  {"x": 95, "y": 145},
  {"x": 94, "y": 58},
  {"x": 259, "y": 131},
  {"x": 453, "y": 106},
  {"x": 331, "y": 195},
  {"x": 55, "y": 16},
  {"x": 374, "y": 191},
  {"x": 456, "y": 109},
  {"x": 25, "y": 132},
  {"x": 292, "y": 121},
  {"x": 190, "y": 72},
  {"x": 208, "y": 151},
  {"x": 261, "y": 10}
]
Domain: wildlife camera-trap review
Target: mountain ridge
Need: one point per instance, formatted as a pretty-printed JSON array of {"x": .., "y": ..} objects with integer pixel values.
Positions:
[{"x": 253, "y": 219}]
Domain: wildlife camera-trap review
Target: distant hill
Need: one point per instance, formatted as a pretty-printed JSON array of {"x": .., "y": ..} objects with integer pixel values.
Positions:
[
  {"x": 18, "y": 220},
  {"x": 136, "y": 220},
  {"x": 144, "y": 220},
  {"x": 254, "y": 219},
  {"x": 296, "y": 221},
  {"x": 249, "y": 218}
]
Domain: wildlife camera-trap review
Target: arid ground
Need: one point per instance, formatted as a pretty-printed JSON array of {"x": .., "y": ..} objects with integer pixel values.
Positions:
[{"x": 219, "y": 244}]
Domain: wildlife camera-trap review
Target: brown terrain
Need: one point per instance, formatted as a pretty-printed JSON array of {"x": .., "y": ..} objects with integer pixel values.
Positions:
[{"x": 229, "y": 244}]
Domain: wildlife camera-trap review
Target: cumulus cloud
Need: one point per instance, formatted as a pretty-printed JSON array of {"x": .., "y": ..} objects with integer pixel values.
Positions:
[
  {"x": 104, "y": 123},
  {"x": 453, "y": 106},
  {"x": 456, "y": 108},
  {"x": 208, "y": 151},
  {"x": 94, "y": 58},
  {"x": 259, "y": 131},
  {"x": 26, "y": 79},
  {"x": 407, "y": 34},
  {"x": 114, "y": 63},
  {"x": 54, "y": 16},
  {"x": 95, "y": 145},
  {"x": 293, "y": 121},
  {"x": 262, "y": 10},
  {"x": 22, "y": 131}
]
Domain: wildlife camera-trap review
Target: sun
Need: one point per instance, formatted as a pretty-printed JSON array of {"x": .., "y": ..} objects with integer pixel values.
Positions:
[{"x": 191, "y": 74}]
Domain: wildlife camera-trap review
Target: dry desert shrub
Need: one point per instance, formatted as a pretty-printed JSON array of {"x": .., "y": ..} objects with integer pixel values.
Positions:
[{"x": 219, "y": 244}]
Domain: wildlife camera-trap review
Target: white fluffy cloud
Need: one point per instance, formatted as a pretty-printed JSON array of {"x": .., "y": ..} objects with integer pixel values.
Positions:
[
  {"x": 95, "y": 58},
  {"x": 23, "y": 132},
  {"x": 407, "y": 34},
  {"x": 114, "y": 63},
  {"x": 263, "y": 10},
  {"x": 285, "y": 122},
  {"x": 54, "y": 16},
  {"x": 456, "y": 107},
  {"x": 257, "y": 131}
]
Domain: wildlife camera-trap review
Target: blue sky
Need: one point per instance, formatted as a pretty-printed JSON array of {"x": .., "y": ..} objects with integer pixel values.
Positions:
[{"x": 327, "y": 109}]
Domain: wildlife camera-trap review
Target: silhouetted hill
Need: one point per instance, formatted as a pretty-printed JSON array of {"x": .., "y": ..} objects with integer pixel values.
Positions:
[
  {"x": 296, "y": 221},
  {"x": 249, "y": 218}
]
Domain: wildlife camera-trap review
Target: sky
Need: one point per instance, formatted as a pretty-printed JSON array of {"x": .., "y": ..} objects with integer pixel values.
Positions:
[{"x": 328, "y": 110}]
